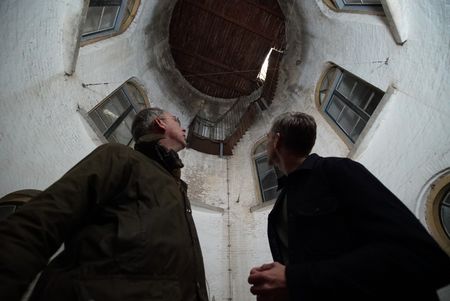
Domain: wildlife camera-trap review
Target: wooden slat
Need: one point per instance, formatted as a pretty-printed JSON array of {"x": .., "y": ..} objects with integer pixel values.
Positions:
[
  {"x": 224, "y": 84},
  {"x": 231, "y": 20},
  {"x": 266, "y": 9},
  {"x": 241, "y": 74}
]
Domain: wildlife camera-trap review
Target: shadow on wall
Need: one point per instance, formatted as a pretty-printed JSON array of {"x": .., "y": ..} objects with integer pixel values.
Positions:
[{"x": 160, "y": 59}]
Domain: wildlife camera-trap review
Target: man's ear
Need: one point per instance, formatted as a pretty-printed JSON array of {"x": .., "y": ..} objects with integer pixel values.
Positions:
[
  {"x": 277, "y": 141},
  {"x": 160, "y": 124}
]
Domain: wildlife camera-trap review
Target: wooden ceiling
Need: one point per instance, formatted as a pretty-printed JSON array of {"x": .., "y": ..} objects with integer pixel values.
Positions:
[{"x": 220, "y": 45}]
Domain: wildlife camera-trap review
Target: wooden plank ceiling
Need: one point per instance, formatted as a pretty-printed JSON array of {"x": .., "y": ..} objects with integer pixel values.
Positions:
[{"x": 220, "y": 45}]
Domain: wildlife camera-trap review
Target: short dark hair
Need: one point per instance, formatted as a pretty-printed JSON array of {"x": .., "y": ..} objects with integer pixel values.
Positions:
[
  {"x": 144, "y": 122},
  {"x": 297, "y": 131}
]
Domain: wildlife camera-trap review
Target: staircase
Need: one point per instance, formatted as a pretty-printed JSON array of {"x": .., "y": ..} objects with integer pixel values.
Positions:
[{"x": 219, "y": 137}]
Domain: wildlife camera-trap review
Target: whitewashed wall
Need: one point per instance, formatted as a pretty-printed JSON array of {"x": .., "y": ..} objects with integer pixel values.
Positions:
[
  {"x": 42, "y": 135},
  {"x": 407, "y": 143}
]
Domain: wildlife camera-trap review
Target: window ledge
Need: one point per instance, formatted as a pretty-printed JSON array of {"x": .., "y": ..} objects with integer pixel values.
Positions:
[
  {"x": 367, "y": 133},
  {"x": 397, "y": 17},
  {"x": 262, "y": 206},
  {"x": 206, "y": 208}
]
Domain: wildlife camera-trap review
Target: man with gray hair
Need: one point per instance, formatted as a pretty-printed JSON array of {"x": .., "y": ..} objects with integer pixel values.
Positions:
[
  {"x": 125, "y": 221},
  {"x": 337, "y": 233}
]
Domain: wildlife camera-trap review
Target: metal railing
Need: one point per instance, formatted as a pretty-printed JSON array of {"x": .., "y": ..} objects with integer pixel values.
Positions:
[
  {"x": 220, "y": 136},
  {"x": 222, "y": 128}
]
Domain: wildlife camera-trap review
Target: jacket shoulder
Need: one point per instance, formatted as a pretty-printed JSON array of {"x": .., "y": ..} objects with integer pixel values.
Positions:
[
  {"x": 113, "y": 147},
  {"x": 333, "y": 162},
  {"x": 115, "y": 150}
]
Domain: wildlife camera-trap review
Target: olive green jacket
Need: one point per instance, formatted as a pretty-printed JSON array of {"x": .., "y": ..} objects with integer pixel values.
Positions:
[{"x": 127, "y": 227}]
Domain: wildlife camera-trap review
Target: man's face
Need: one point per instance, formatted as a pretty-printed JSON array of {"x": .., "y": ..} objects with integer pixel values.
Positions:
[{"x": 173, "y": 131}]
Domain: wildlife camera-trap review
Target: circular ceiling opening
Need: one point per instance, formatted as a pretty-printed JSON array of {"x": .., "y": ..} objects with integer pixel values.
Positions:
[{"x": 221, "y": 46}]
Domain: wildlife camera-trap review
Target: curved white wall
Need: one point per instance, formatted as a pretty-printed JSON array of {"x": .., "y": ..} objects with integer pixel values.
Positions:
[{"x": 42, "y": 135}]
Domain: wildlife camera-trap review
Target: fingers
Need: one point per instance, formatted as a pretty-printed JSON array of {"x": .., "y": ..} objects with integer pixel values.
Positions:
[
  {"x": 264, "y": 267},
  {"x": 260, "y": 289},
  {"x": 267, "y": 266},
  {"x": 256, "y": 278}
]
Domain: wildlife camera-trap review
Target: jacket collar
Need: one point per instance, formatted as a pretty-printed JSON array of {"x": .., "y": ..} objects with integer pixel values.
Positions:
[
  {"x": 308, "y": 164},
  {"x": 149, "y": 146}
]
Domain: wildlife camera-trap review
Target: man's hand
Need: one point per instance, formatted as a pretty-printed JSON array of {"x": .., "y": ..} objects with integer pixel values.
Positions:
[{"x": 268, "y": 282}]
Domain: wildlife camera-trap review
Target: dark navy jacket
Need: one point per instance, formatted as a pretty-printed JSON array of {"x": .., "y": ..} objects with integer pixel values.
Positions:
[{"x": 350, "y": 238}]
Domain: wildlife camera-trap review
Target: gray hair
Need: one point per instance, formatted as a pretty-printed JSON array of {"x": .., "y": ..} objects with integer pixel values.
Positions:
[
  {"x": 297, "y": 131},
  {"x": 144, "y": 122}
]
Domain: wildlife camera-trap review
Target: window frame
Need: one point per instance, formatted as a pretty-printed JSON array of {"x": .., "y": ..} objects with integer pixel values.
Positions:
[
  {"x": 438, "y": 190},
  {"x": 133, "y": 105},
  {"x": 123, "y": 19},
  {"x": 255, "y": 157},
  {"x": 325, "y": 95},
  {"x": 342, "y": 6}
]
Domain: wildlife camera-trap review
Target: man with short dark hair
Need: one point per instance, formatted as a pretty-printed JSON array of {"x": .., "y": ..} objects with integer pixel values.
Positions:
[
  {"x": 125, "y": 221},
  {"x": 337, "y": 233}
]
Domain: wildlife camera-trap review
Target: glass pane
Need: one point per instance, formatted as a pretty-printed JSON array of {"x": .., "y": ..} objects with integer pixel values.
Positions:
[
  {"x": 98, "y": 121},
  {"x": 91, "y": 24},
  {"x": 335, "y": 107},
  {"x": 357, "y": 130},
  {"x": 109, "y": 17},
  {"x": 262, "y": 166},
  {"x": 445, "y": 217},
  {"x": 269, "y": 180},
  {"x": 352, "y": 2},
  {"x": 361, "y": 95},
  {"x": 373, "y": 103},
  {"x": 113, "y": 108},
  {"x": 270, "y": 194},
  {"x": 346, "y": 85},
  {"x": 373, "y": 2},
  {"x": 348, "y": 120},
  {"x": 446, "y": 200},
  {"x": 122, "y": 133},
  {"x": 6, "y": 210}
]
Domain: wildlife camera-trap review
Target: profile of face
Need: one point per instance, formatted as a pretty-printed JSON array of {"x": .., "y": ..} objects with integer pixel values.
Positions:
[
  {"x": 175, "y": 134},
  {"x": 271, "y": 148}
]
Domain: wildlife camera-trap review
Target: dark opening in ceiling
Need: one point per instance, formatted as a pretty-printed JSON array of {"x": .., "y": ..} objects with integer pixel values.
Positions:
[{"x": 219, "y": 46}]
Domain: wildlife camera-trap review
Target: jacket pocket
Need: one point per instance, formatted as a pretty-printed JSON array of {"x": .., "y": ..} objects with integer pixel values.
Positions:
[{"x": 126, "y": 287}]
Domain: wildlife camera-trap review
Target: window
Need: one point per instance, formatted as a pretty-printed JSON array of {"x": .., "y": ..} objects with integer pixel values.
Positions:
[
  {"x": 347, "y": 100},
  {"x": 267, "y": 175},
  {"x": 444, "y": 213},
  {"x": 356, "y": 5},
  {"x": 438, "y": 211},
  {"x": 108, "y": 17},
  {"x": 113, "y": 116}
]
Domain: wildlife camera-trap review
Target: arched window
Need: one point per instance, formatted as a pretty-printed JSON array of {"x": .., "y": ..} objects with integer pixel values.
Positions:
[
  {"x": 267, "y": 175},
  {"x": 106, "y": 18},
  {"x": 371, "y": 6},
  {"x": 347, "y": 101},
  {"x": 438, "y": 211},
  {"x": 114, "y": 115}
]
